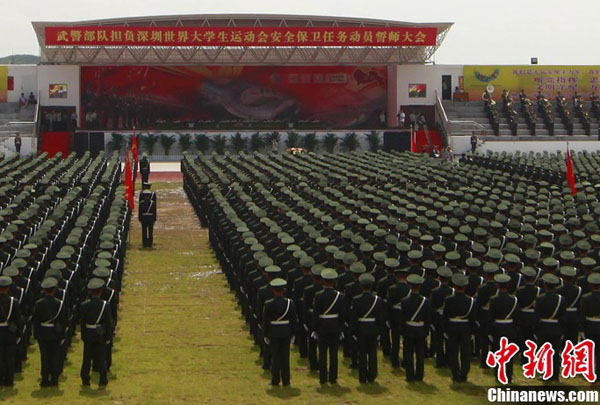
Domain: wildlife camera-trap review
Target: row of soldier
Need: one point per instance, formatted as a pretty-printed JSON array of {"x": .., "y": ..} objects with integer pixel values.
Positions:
[
  {"x": 480, "y": 248},
  {"x": 67, "y": 236}
]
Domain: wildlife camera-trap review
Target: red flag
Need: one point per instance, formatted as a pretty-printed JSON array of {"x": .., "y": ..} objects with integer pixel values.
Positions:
[
  {"x": 570, "y": 174},
  {"x": 413, "y": 143},
  {"x": 134, "y": 150},
  {"x": 129, "y": 182}
]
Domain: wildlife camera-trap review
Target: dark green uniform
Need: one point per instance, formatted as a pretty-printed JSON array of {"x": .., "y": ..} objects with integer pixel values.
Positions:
[
  {"x": 327, "y": 322},
  {"x": 279, "y": 324},
  {"x": 96, "y": 331},
  {"x": 10, "y": 327},
  {"x": 49, "y": 321},
  {"x": 414, "y": 325},
  {"x": 459, "y": 320},
  {"x": 367, "y": 315}
]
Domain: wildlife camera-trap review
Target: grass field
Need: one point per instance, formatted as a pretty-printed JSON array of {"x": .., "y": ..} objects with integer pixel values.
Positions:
[{"x": 181, "y": 339}]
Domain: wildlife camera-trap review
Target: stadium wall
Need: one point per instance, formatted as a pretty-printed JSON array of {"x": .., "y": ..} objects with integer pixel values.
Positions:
[
  {"x": 462, "y": 144},
  {"x": 430, "y": 75}
]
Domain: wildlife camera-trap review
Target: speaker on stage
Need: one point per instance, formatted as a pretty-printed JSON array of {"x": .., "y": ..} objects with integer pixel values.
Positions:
[{"x": 396, "y": 140}]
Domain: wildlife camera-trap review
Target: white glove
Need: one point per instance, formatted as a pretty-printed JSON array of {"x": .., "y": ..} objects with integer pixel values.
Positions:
[
  {"x": 341, "y": 336},
  {"x": 388, "y": 324},
  {"x": 314, "y": 336},
  {"x": 355, "y": 338},
  {"x": 445, "y": 335},
  {"x": 305, "y": 327},
  {"x": 292, "y": 340},
  {"x": 267, "y": 341}
]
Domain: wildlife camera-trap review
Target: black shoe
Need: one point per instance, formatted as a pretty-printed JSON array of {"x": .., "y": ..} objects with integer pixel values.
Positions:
[
  {"x": 287, "y": 384},
  {"x": 410, "y": 379},
  {"x": 333, "y": 382},
  {"x": 395, "y": 364},
  {"x": 86, "y": 383},
  {"x": 103, "y": 383},
  {"x": 274, "y": 384},
  {"x": 362, "y": 381},
  {"x": 353, "y": 365}
]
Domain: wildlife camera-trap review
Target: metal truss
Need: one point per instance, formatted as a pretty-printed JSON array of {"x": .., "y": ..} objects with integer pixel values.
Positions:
[{"x": 207, "y": 55}]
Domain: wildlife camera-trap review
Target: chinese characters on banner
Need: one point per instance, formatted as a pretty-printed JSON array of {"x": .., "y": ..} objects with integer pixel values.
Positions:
[
  {"x": 575, "y": 360},
  {"x": 548, "y": 79},
  {"x": 240, "y": 36}
]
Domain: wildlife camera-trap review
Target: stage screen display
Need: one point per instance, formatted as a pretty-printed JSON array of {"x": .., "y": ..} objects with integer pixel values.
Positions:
[{"x": 156, "y": 97}]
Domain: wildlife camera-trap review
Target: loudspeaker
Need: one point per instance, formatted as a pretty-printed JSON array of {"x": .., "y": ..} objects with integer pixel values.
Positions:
[{"x": 396, "y": 140}]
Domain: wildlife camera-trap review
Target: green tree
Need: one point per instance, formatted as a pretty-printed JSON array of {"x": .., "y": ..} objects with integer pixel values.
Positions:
[
  {"x": 350, "y": 142},
  {"x": 185, "y": 142},
  {"x": 117, "y": 142},
  {"x": 330, "y": 142},
  {"x": 202, "y": 143},
  {"x": 257, "y": 142},
  {"x": 219, "y": 142},
  {"x": 238, "y": 143},
  {"x": 374, "y": 141},
  {"x": 149, "y": 141},
  {"x": 167, "y": 142},
  {"x": 309, "y": 141},
  {"x": 292, "y": 139}
]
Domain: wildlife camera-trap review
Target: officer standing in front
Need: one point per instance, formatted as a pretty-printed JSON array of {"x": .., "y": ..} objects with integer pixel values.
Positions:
[
  {"x": 145, "y": 168},
  {"x": 49, "y": 323},
  {"x": 96, "y": 322},
  {"x": 459, "y": 318},
  {"x": 367, "y": 315},
  {"x": 414, "y": 325},
  {"x": 147, "y": 216},
  {"x": 279, "y": 325},
  {"x": 590, "y": 312},
  {"x": 10, "y": 325},
  {"x": 328, "y": 318}
]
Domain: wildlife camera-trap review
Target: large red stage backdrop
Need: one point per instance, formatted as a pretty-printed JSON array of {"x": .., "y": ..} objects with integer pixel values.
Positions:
[{"x": 153, "y": 96}]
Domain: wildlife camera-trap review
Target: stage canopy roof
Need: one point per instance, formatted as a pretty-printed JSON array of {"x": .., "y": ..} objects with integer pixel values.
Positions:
[{"x": 238, "y": 40}]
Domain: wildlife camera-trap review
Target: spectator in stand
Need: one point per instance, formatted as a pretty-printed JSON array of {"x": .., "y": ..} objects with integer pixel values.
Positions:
[
  {"x": 18, "y": 143},
  {"x": 22, "y": 100},
  {"x": 31, "y": 100},
  {"x": 473, "y": 142},
  {"x": 74, "y": 120},
  {"x": 382, "y": 118},
  {"x": 413, "y": 120},
  {"x": 401, "y": 119}
]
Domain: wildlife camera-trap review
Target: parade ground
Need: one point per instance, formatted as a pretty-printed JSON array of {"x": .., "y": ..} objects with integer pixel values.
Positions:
[{"x": 181, "y": 338}]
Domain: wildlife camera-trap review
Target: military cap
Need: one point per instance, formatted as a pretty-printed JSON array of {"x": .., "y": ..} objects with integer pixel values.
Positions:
[
  {"x": 5, "y": 281},
  {"x": 379, "y": 256},
  {"x": 102, "y": 263},
  {"x": 307, "y": 261},
  {"x": 459, "y": 280},
  {"x": 567, "y": 255},
  {"x": 52, "y": 273},
  {"x": 472, "y": 262},
  {"x": 550, "y": 279},
  {"x": 587, "y": 261},
  {"x": 595, "y": 238},
  {"x": 494, "y": 254},
  {"x": 489, "y": 267},
  {"x": 257, "y": 247},
  {"x": 19, "y": 263},
  {"x": 444, "y": 271},
  {"x": 567, "y": 271},
  {"x": 104, "y": 255},
  {"x": 438, "y": 248},
  {"x": 453, "y": 255},
  {"x": 415, "y": 279},
  {"x": 415, "y": 254},
  {"x": 49, "y": 282},
  {"x": 366, "y": 247},
  {"x": 63, "y": 255},
  {"x": 357, "y": 268},
  {"x": 349, "y": 258},
  {"x": 403, "y": 247},
  {"x": 583, "y": 245},
  {"x": 317, "y": 269},
  {"x": 429, "y": 265},
  {"x": 512, "y": 258},
  {"x": 528, "y": 271},
  {"x": 23, "y": 253},
  {"x": 391, "y": 263},
  {"x": 278, "y": 283},
  {"x": 272, "y": 269},
  {"x": 331, "y": 249},
  {"x": 478, "y": 247},
  {"x": 593, "y": 278},
  {"x": 30, "y": 246},
  {"x": 366, "y": 280},
  {"x": 288, "y": 240},
  {"x": 58, "y": 264},
  {"x": 293, "y": 248},
  {"x": 10, "y": 271},
  {"x": 329, "y": 274},
  {"x": 101, "y": 272},
  {"x": 502, "y": 278}
]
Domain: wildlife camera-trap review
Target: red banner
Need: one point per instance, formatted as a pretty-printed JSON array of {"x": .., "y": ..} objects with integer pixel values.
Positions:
[{"x": 241, "y": 36}]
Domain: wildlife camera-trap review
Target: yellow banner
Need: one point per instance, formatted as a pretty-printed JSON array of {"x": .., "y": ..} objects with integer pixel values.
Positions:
[
  {"x": 548, "y": 79},
  {"x": 3, "y": 83}
]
